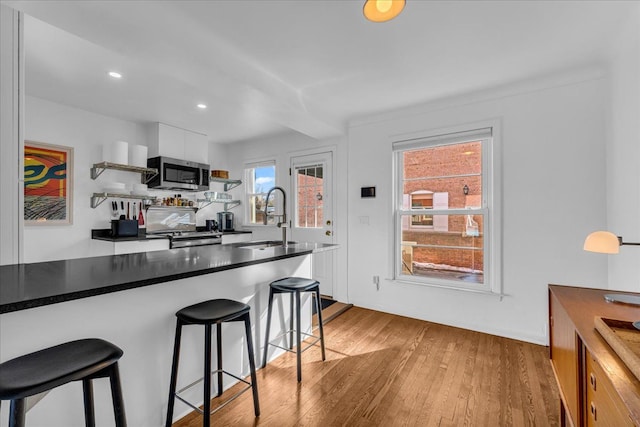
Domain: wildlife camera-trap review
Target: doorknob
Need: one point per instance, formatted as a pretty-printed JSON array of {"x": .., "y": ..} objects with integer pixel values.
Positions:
[
  {"x": 327, "y": 233},
  {"x": 328, "y": 222}
]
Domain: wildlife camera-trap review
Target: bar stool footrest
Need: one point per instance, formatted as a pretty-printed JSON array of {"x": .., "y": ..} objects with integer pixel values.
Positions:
[
  {"x": 220, "y": 406},
  {"x": 309, "y": 345}
]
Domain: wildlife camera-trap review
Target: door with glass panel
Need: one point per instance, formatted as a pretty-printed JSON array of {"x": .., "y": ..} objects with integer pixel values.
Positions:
[{"x": 312, "y": 213}]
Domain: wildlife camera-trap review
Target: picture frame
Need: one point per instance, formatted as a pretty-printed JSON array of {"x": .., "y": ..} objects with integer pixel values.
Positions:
[{"x": 48, "y": 184}]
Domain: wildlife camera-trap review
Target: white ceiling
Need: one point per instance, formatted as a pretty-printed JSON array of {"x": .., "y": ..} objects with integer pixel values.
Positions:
[{"x": 271, "y": 66}]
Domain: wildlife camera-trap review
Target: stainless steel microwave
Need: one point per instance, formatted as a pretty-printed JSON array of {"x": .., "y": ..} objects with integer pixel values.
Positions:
[{"x": 175, "y": 174}]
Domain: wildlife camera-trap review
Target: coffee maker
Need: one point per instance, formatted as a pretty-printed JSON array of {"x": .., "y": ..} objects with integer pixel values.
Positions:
[{"x": 225, "y": 221}]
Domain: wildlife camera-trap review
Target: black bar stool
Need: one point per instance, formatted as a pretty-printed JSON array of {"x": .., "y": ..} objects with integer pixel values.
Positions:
[
  {"x": 294, "y": 286},
  {"x": 47, "y": 369},
  {"x": 208, "y": 313}
]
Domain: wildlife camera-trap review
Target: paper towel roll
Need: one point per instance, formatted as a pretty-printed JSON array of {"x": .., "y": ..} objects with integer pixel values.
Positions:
[
  {"x": 120, "y": 152},
  {"x": 106, "y": 152},
  {"x": 138, "y": 155}
]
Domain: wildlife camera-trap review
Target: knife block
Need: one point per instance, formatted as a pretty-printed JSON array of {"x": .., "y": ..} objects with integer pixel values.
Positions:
[{"x": 124, "y": 227}]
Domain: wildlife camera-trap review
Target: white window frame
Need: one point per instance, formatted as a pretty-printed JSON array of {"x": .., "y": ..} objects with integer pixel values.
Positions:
[
  {"x": 249, "y": 187},
  {"x": 489, "y": 134}
]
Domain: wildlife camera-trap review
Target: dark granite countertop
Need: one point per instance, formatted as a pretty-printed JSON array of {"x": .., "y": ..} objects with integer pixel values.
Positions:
[
  {"x": 105, "y": 234},
  {"x": 24, "y": 286}
]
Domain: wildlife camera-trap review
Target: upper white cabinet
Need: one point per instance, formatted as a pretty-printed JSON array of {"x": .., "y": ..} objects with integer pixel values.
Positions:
[
  {"x": 170, "y": 141},
  {"x": 196, "y": 147}
]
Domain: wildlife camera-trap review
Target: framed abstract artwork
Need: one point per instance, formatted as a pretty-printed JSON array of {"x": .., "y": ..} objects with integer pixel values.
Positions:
[{"x": 48, "y": 184}]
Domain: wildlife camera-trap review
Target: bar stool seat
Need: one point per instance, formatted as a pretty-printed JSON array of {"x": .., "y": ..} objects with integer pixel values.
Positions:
[
  {"x": 212, "y": 311},
  {"x": 209, "y": 313},
  {"x": 295, "y": 286},
  {"x": 52, "y": 367},
  {"x": 292, "y": 284}
]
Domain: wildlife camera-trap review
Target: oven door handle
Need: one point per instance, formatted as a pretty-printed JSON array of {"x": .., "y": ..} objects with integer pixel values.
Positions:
[{"x": 183, "y": 243}]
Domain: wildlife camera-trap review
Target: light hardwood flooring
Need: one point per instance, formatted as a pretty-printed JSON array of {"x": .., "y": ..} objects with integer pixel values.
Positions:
[{"x": 387, "y": 370}]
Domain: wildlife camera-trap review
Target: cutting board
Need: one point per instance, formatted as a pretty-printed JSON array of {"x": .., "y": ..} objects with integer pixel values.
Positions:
[{"x": 624, "y": 339}]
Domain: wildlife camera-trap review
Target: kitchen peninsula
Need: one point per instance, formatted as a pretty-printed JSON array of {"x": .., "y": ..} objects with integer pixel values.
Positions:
[{"x": 131, "y": 300}]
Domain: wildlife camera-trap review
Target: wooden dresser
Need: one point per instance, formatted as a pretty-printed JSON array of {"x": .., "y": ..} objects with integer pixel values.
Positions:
[{"x": 596, "y": 388}]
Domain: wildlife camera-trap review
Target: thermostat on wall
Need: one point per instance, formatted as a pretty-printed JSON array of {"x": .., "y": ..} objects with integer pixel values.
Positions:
[{"x": 367, "y": 192}]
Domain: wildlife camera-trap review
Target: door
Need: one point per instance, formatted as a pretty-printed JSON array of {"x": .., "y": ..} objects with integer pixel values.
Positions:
[{"x": 312, "y": 213}]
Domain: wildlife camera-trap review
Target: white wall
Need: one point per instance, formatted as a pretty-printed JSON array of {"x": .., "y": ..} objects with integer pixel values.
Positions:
[
  {"x": 623, "y": 155},
  {"x": 553, "y": 140},
  {"x": 86, "y": 132},
  {"x": 281, "y": 148},
  {"x": 11, "y": 61}
]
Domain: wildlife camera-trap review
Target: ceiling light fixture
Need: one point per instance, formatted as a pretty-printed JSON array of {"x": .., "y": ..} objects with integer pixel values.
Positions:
[
  {"x": 115, "y": 74},
  {"x": 202, "y": 106},
  {"x": 382, "y": 10}
]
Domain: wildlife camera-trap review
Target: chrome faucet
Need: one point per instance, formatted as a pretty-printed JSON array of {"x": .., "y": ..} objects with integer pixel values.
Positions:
[{"x": 283, "y": 223}]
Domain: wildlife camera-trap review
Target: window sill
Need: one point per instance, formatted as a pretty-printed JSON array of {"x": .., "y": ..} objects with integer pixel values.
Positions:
[{"x": 450, "y": 287}]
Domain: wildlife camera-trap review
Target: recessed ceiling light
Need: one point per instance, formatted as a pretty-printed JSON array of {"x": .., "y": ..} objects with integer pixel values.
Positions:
[
  {"x": 202, "y": 106},
  {"x": 467, "y": 153},
  {"x": 382, "y": 10},
  {"x": 115, "y": 74}
]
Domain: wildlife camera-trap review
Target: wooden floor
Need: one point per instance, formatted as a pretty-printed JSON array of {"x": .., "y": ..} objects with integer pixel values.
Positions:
[{"x": 386, "y": 370}]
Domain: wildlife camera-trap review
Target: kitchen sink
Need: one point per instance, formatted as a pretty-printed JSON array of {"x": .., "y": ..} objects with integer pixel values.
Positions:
[{"x": 262, "y": 245}]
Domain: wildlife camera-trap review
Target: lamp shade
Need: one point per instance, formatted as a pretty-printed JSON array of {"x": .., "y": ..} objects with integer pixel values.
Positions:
[{"x": 603, "y": 242}]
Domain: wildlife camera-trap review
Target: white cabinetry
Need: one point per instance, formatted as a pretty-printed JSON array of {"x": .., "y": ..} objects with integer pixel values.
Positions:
[
  {"x": 196, "y": 147},
  {"x": 131, "y": 246},
  {"x": 140, "y": 246},
  {"x": 170, "y": 141}
]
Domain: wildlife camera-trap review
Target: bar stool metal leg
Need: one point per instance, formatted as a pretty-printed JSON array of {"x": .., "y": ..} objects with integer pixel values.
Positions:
[
  {"x": 206, "y": 409},
  {"x": 266, "y": 341},
  {"x": 321, "y": 329},
  {"x": 291, "y": 322},
  {"x": 116, "y": 396},
  {"x": 219, "y": 355},
  {"x": 174, "y": 373},
  {"x": 17, "y": 413},
  {"x": 252, "y": 365},
  {"x": 298, "y": 337},
  {"x": 87, "y": 392}
]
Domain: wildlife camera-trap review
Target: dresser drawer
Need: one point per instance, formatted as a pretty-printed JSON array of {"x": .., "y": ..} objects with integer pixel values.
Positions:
[{"x": 603, "y": 407}]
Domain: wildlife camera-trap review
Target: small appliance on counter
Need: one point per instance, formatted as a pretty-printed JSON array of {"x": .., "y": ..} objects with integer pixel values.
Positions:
[
  {"x": 211, "y": 225},
  {"x": 225, "y": 221}
]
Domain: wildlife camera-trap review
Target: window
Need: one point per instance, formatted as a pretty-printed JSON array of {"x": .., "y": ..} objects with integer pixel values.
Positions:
[
  {"x": 444, "y": 212},
  {"x": 309, "y": 195},
  {"x": 259, "y": 179}
]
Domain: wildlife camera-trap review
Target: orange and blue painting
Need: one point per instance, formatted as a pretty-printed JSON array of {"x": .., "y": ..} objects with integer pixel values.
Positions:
[{"x": 47, "y": 178}]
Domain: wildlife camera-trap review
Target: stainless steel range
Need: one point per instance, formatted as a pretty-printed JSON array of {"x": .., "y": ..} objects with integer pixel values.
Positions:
[
  {"x": 179, "y": 225},
  {"x": 194, "y": 238}
]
